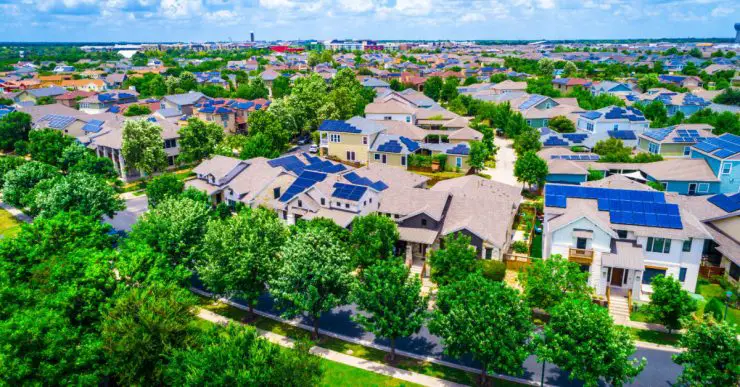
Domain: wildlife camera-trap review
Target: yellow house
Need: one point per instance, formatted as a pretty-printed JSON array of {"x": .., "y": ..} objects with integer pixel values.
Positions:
[{"x": 349, "y": 140}]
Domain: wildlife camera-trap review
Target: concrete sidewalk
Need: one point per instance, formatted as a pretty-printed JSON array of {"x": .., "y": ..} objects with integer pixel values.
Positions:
[
  {"x": 18, "y": 214},
  {"x": 351, "y": 361}
]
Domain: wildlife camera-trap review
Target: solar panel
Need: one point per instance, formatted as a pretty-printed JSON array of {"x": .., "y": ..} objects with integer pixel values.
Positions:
[
  {"x": 706, "y": 147},
  {"x": 726, "y": 203},
  {"x": 348, "y": 191},
  {"x": 412, "y": 145},
  {"x": 290, "y": 163},
  {"x": 391, "y": 146},
  {"x": 459, "y": 149},
  {"x": 303, "y": 182},
  {"x": 622, "y": 134},
  {"x": 338, "y": 126}
]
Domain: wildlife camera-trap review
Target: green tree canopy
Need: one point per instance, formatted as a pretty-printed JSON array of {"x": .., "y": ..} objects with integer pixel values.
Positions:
[
  {"x": 478, "y": 155},
  {"x": 280, "y": 87},
  {"x": 548, "y": 281},
  {"x": 530, "y": 169},
  {"x": 198, "y": 140},
  {"x": 163, "y": 187},
  {"x": 712, "y": 356},
  {"x": 433, "y": 87},
  {"x": 581, "y": 338},
  {"x": 315, "y": 275},
  {"x": 142, "y": 146},
  {"x": 669, "y": 303},
  {"x": 20, "y": 182},
  {"x": 613, "y": 150},
  {"x": 79, "y": 191},
  {"x": 47, "y": 145},
  {"x": 14, "y": 126},
  {"x": 562, "y": 124},
  {"x": 527, "y": 141},
  {"x": 392, "y": 301},
  {"x": 455, "y": 261},
  {"x": 469, "y": 316},
  {"x": 373, "y": 238}
]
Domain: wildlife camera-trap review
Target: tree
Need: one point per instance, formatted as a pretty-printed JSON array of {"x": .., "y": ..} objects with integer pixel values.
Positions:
[
  {"x": 530, "y": 169},
  {"x": 187, "y": 81},
  {"x": 478, "y": 155},
  {"x": 79, "y": 191},
  {"x": 433, "y": 87},
  {"x": 142, "y": 146},
  {"x": 142, "y": 330},
  {"x": 469, "y": 317},
  {"x": 7, "y": 164},
  {"x": 174, "y": 228},
  {"x": 20, "y": 182},
  {"x": 265, "y": 122},
  {"x": 581, "y": 338},
  {"x": 562, "y": 124},
  {"x": 14, "y": 127},
  {"x": 76, "y": 158},
  {"x": 396, "y": 85},
  {"x": 545, "y": 67},
  {"x": 392, "y": 301},
  {"x": 237, "y": 356},
  {"x": 373, "y": 239},
  {"x": 137, "y": 110},
  {"x": 729, "y": 97},
  {"x": 655, "y": 112},
  {"x": 309, "y": 94},
  {"x": 315, "y": 275},
  {"x": 47, "y": 145},
  {"x": 548, "y": 281},
  {"x": 280, "y": 87},
  {"x": 449, "y": 89},
  {"x": 163, "y": 187},
  {"x": 527, "y": 141},
  {"x": 45, "y": 100},
  {"x": 612, "y": 150},
  {"x": 240, "y": 254},
  {"x": 471, "y": 80},
  {"x": 712, "y": 356},
  {"x": 669, "y": 303},
  {"x": 648, "y": 82},
  {"x": 198, "y": 140},
  {"x": 453, "y": 262},
  {"x": 570, "y": 69},
  {"x": 253, "y": 89}
]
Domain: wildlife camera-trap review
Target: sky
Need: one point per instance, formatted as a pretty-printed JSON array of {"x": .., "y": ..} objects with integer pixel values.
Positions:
[{"x": 224, "y": 20}]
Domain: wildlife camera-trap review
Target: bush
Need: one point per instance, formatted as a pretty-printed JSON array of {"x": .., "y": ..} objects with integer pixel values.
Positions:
[
  {"x": 493, "y": 270},
  {"x": 594, "y": 175},
  {"x": 441, "y": 159},
  {"x": 715, "y": 308},
  {"x": 520, "y": 247},
  {"x": 656, "y": 186}
]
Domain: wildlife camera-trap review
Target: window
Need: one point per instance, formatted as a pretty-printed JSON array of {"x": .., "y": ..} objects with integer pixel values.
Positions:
[
  {"x": 650, "y": 273},
  {"x": 408, "y": 118},
  {"x": 387, "y": 118},
  {"x": 423, "y": 222},
  {"x": 489, "y": 253},
  {"x": 686, "y": 245},
  {"x": 323, "y": 201},
  {"x": 703, "y": 187},
  {"x": 529, "y": 122},
  {"x": 659, "y": 245},
  {"x": 276, "y": 192},
  {"x": 403, "y": 160},
  {"x": 622, "y": 234},
  {"x": 654, "y": 148},
  {"x": 726, "y": 168},
  {"x": 377, "y": 156},
  {"x": 339, "y": 204},
  {"x": 351, "y": 155},
  {"x": 458, "y": 162},
  {"x": 616, "y": 126},
  {"x": 170, "y": 160},
  {"x": 300, "y": 203},
  {"x": 335, "y": 137},
  {"x": 170, "y": 143},
  {"x": 734, "y": 271},
  {"x": 385, "y": 160},
  {"x": 346, "y": 205},
  {"x": 364, "y": 140},
  {"x": 682, "y": 274},
  {"x": 686, "y": 150},
  {"x": 370, "y": 199}
]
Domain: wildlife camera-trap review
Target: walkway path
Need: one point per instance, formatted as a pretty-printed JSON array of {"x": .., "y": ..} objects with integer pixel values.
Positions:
[
  {"x": 16, "y": 212},
  {"x": 505, "y": 159},
  {"x": 352, "y": 361}
]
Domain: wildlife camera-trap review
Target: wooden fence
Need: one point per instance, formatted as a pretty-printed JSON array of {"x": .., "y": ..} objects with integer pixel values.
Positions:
[
  {"x": 711, "y": 271},
  {"x": 516, "y": 261}
]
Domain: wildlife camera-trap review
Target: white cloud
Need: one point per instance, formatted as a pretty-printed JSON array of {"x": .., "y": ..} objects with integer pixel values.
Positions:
[
  {"x": 180, "y": 9},
  {"x": 722, "y": 11},
  {"x": 356, "y": 5},
  {"x": 546, "y": 4},
  {"x": 472, "y": 17},
  {"x": 414, "y": 7}
]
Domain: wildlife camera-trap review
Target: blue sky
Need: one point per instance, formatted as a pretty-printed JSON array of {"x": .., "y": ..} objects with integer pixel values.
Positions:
[{"x": 202, "y": 20}]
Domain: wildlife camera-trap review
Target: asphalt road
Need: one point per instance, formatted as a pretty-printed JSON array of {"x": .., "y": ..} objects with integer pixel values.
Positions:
[
  {"x": 123, "y": 220},
  {"x": 660, "y": 369}
]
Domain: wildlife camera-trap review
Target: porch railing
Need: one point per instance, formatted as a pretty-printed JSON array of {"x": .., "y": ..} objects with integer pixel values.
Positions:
[
  {"x": 583, "y": 256},
  {"x": 608, "y": 295}
]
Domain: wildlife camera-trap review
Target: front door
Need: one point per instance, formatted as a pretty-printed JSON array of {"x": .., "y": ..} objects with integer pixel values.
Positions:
[
  {"x": 617, "y": 275},
  {"x": 692, "y": 189}
]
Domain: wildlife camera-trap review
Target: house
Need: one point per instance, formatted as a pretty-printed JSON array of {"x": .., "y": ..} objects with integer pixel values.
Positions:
[
  {"x": 100, "y": 103},
  {"x": 374, "y": 83},
  {"x": 115, "y": 80},
  {"x": 109, "y": 143},
  {"x": 509, "y": 86},
  {"x": 63, "y": 69},
  {"x": 623, "y": 237},
  {"x": 71, "y": 98},
  {"x": 611, "y": 87},
  {"x": 538, "y": 110},
  {"x": 54, "y": 80},
  {"x": 96, "y": 85},
  {"x": 686, "y": 103},
  {"x": 681, "y": 81},
  {"x": 673, "y": 141},
  {"x": 722, "y": 154},
  {"x": 184, "y": 103},
  {"x": 231, "y": 114},
  {"x": 269, "y": 76},
  {"x": 613, "y": 122},
  {"x": 68, "y": 120},
  {"x": 566, "y": 85},
  {"x": 682, "y": 176},
  {"x": 32, "y": 95}
]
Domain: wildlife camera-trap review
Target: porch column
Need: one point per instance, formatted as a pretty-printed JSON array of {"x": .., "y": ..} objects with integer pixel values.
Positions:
[
  {"x": 409, "y": 254},
  {"x": 637, "y": 285},
  {"x": 601, "y": 290}
]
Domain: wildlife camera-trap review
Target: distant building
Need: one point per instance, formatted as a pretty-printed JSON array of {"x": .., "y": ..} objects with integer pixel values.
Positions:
[{"x": 251, "y": 36}]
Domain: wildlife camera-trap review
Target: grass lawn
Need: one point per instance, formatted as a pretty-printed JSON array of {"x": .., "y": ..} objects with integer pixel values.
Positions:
[
  {"x": 9, "y": 225},
  {"x": 181, "y": 174},
  {"x": 709, "y": 291},
  {"x": 357, "y": 350},
  {"x": 654, "y": 336}
]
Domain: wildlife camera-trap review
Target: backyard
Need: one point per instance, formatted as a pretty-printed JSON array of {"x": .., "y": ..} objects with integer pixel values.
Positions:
[{"x": 9, "y": 225}]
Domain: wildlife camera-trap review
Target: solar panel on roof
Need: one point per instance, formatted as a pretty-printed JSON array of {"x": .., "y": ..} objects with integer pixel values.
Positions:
[
  {"x": 412, "y": 145},
  {"x": 622, "y": 134},
  {"x": 726, "y": 203},
  {"x": 290, "y": 163}
]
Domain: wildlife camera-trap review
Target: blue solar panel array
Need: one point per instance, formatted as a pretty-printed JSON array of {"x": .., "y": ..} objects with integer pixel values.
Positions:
[
  {"x": 290, "y": 163},
  {"x": 575, "y": 157},
  {"x": 412, "y": 145},
  {"x": 459, "y": 149},
  {"x": 658, "y": 134},
  {"x": 622, "y": 134},
  {"x": 359, "y": 180},
  {"x": 348, "y": 191},
  {"x": 532, "y": 101},
  {"x": 726, "y": 203},
  {"x": 325, "y": 166},
  {"x": 555, "y": 141},
  {"x": 57, "y": 121},
  {"x": 629, "y": 113},
  {"x": 391, "y": 146},
  {"x": 338, "y": 126},
  {"x": 723, "y": 146},
  {"x": 630, "y": 207},
  {"x": 576, "y": 137},
  {"x": 305, "y": 181},
  {"x": 93, "y": 126}
]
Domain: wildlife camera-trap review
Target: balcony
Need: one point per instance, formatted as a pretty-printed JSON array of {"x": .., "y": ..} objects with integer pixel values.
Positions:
[{"x": 581, "y": 256}]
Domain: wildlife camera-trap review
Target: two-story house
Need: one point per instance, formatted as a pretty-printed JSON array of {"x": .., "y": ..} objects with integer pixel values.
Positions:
[
  {"x": 723, "y": 156},
  {"x": 613, "y": 122},
  {"x": 183, "y": 103},
  {"x": 101, "y": 103},
  {"x": 623, "y": 237}
]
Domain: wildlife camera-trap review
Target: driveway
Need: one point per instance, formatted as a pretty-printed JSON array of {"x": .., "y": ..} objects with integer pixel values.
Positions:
[
  {"x": 135, "y": 207},
  {"x": 505, "y": 159}
]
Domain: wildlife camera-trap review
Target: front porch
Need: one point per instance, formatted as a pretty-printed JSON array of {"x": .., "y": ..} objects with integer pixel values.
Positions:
[{"x": 621, "y": 271}]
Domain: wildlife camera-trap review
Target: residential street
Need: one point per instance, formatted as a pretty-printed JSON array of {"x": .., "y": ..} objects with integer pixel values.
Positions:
[
  {"x": 135, "y": 207},
  {"x": 660, "y": 371},
  {"x": 505, "y": 159}
]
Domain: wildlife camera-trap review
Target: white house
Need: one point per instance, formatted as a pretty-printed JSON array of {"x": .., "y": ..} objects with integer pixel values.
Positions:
[{"x": 613, "y": 121}]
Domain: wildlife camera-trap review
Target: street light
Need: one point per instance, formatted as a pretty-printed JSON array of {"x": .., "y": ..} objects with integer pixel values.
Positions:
[{"x": 727, "y": 303}]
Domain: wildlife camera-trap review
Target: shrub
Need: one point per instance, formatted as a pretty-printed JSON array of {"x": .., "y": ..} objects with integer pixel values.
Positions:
[
  {"x": 441, "y": 159},
  {"x": 655, "y": 185},
  {"x": 520, "y": 247},
  {"x": 714, "y": 308},
  {"x": 493, "y": 270}
]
